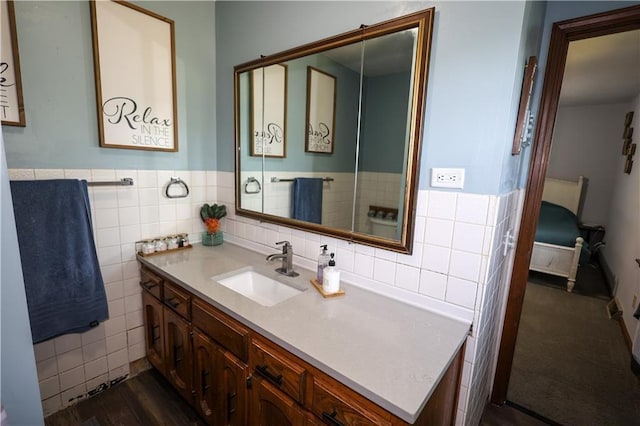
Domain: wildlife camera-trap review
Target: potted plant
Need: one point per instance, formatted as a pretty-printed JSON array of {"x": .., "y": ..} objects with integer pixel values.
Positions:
[{"x": 211, "y": 215}]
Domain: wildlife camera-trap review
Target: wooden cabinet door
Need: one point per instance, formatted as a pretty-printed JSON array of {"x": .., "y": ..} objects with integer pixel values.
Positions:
[
  {"x": 153, "y": 325},
  {"x": 233, "y": 390},
  {"x": 205, "y": 377},
  {"x": 178, "y": 357},
  {"x": 269, "y": 406}
]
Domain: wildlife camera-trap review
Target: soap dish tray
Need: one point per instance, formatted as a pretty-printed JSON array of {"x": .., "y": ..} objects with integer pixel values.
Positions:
[{"x": 324, "y": 294}]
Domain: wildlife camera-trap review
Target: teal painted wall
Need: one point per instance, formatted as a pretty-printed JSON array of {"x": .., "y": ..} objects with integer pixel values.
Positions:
[
  {"x": 297, "y": 159},
  {"x": 478, "y": 54},
  {"x": 473, "y": 87},
  {"x": 384, "y": 126},
  {"x": 557, "y": 11},
  {"x": 18, "y": 379},
  {"x": 56, "y": 57}
]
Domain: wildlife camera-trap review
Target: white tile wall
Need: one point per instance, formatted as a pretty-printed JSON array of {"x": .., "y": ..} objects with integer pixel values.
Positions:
[
  {"x": 457, "y": 269},
  {"x": 337, "y": 195},
  {"x": 69, "y": 366},
  {"x": 375, "y": 189}
]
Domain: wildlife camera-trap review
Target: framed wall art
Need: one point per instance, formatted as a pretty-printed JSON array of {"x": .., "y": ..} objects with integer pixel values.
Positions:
[
  {"x": 134, "y": 62},
  {"x": 321, "y": 111},
  {"x": 628, "y": 147},
  {"x": 269, "y": 111},
  {"x": 11, "y": 102},
  {"x": 524, "y": 109}
]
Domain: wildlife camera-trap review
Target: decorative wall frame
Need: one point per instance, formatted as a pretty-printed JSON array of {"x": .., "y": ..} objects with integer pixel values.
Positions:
[
  {"x": 269, "y": 111},
  {"x": 134, "y": 65},
  {"x": 11, "y": 101},
  {"x": 523, "y": 124},
  {"x": 321, "y": 111}
]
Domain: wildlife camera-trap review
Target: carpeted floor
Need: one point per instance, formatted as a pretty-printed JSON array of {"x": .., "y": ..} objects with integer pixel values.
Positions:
[
  {"x": 589, "y": 281},
  {"x": 571, "y": 364}
]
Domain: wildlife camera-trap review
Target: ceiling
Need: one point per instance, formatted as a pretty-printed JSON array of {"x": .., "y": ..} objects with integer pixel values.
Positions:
[
  {"x": 387, "y": 54},
  {"x": 602, "y": 70}
]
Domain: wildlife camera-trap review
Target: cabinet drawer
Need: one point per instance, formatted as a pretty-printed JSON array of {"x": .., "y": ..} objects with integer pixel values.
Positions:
[
  {"x": 222, "y": 329},
  {"x": 151, "y": 282},
  {"x": 178, "y": 300},
  {"x": 279, "y": 369},
  {"x": 331, "y": 405}
]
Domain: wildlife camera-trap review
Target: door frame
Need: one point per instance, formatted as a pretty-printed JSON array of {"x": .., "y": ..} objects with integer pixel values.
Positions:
[{"x": 562, "y": 33}]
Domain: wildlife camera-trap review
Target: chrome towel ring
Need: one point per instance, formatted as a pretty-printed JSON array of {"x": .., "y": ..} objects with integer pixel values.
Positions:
[
  {"x": 252, "y": 180},
  {"x": 177, "y": 181}
]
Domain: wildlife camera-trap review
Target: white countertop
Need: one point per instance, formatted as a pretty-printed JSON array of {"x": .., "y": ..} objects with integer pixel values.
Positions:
[{"x": 390, "y": 352}]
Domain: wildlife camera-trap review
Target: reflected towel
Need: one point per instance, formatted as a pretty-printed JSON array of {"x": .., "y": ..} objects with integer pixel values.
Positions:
[
  {"x": 307, "y": 199},
  {"x": 63, "y": 283}
]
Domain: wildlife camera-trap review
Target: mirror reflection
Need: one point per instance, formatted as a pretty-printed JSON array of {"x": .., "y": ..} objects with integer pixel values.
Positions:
[{"x": 327, "y": 141}]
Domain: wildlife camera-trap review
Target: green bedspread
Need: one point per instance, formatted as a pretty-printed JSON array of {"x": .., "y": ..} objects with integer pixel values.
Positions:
[{"x": 559, "y": 226}]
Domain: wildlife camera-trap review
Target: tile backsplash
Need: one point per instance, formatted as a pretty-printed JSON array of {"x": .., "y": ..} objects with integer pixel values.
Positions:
[
  {"x": 74, "y": 365},
  {"x": 457, "y": 268}
]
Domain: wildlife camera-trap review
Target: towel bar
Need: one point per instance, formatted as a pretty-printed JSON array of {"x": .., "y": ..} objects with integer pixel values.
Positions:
[
  {"x": 275, "y": 179},
  {"x": 121, "y": 182}
]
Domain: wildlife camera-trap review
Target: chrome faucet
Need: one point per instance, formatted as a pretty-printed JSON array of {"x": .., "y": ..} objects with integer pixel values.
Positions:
[{"x": 287, "y": 259}]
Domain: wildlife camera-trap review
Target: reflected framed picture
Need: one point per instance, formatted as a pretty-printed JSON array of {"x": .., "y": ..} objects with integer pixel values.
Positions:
[
  {"x": 134, "y": 65},
  {"x": 269, "y": 111},
  {"x": 524, "y": 108},
  {"x": 321, "y": 111},
  {"x": 11, "y": 102}
]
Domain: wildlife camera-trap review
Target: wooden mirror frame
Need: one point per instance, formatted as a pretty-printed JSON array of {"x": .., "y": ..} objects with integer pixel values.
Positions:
[{"x": 423, "y": 21}]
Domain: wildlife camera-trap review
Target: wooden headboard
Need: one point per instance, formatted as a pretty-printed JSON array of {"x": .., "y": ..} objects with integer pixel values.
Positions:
[{"x": 566, "y": 193}]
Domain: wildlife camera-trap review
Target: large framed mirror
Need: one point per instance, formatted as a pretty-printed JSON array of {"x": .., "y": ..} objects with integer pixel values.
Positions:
[{"x": 338, "y": 123}]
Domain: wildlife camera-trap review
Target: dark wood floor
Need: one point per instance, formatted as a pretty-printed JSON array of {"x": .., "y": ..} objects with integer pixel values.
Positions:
[{"x": 146, "y": 399}]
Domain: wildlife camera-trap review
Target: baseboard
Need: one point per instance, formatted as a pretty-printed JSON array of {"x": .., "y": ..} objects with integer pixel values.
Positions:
[
  {"x": 532, "y": 413},
  {"x": 138, "y": 366},
  {"x": 625, "y": 333},
  {"x": 606, "y": 271}
]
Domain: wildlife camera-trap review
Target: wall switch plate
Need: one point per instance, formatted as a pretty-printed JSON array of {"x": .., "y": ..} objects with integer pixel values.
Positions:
[{"x": 447, "y": 178}]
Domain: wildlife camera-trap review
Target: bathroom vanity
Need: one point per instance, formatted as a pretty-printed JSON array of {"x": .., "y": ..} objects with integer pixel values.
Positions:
[{"x": 304, "y": 360}]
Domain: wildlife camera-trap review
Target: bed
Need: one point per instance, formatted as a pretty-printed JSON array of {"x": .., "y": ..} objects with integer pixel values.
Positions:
[{"x": 559, "y": 248}]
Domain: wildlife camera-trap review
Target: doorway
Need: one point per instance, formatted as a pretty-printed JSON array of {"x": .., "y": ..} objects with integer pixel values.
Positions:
[{"x": 562, "y": 34}]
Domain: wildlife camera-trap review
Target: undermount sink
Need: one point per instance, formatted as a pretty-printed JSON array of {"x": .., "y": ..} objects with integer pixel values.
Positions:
[{"x": 264, "y": 290}]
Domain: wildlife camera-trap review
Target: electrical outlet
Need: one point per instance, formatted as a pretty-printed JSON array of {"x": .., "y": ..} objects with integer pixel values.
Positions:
[{"x": 447, "y": 178}]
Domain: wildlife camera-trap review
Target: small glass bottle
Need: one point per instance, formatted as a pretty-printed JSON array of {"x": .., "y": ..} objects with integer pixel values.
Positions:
[
  {"x": 323, "y": 261},
  {"x": 172, "y": 242},
  {"x": 148, "y": 247},
  {"x": 161, "y": 245}
]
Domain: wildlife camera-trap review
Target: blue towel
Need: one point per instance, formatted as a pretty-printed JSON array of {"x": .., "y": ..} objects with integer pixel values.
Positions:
[
  {"x": 307, "y": 199},
  {"x": 64, "y": 287}
]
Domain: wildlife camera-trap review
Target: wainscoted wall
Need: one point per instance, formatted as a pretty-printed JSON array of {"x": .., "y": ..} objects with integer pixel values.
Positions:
[
  {"x": 72, "y": 365},
  {"x": 457, "y": 268},
  {"x": 337, "y": 195},
  {"x": 376, "y": 189},
  {"x": 379, "y": 189}
]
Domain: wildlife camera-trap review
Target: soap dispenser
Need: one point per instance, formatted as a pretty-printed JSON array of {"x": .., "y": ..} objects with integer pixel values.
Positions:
[
  {"x": 323, "y": 261},
  {"x": 331, "y": 281}
]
